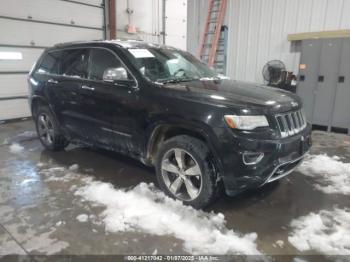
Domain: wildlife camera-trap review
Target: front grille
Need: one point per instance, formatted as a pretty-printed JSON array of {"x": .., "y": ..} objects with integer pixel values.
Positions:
[{"x": 291, "y": 123}]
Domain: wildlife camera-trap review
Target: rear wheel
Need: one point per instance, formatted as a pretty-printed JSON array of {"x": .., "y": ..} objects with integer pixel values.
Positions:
[
  {"x": 48, "y": 130},
  {"x": 184, "y": 171}
]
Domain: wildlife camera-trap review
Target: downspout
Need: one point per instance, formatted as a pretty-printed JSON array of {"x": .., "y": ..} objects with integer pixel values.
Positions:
[
  {"x": 104, "y": 21},
  {"x": 163, "y": 20},
  {"x": 112, "y": 19}
]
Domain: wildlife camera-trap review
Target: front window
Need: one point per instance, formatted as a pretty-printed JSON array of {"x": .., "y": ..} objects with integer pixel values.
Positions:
[
  {"x": 162, "y": 65},
  {"x": 102, "y": 60}
]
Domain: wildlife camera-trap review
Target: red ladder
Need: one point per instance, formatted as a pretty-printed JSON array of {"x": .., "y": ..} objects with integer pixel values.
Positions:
[{"x": 212, "y": 31}]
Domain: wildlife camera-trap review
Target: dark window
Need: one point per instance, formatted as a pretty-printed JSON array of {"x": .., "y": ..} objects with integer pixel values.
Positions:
[
  {"x": 100, "y": 60},
  {"x": 50, "y": 63},
  {"x": 75, "y": 63}
]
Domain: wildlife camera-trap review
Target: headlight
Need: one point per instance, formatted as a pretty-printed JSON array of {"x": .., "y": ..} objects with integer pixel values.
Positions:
[{"x": 246, "y": 122}]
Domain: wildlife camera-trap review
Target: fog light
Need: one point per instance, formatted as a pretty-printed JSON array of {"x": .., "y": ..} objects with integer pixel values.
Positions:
[{"x": 252, "y": 158}]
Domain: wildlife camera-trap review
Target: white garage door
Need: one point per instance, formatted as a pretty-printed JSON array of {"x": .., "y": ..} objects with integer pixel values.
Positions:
[
  {"x": 27, "y": 27},
  {"x": 176, "y": 23}
]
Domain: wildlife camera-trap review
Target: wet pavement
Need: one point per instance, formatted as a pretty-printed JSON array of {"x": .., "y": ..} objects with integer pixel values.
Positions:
[{"x": 38, "y": 215}]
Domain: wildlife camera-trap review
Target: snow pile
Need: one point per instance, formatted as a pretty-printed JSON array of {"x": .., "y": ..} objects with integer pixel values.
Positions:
[
  {"x": 327, "y": 232},
  {"x": 278, "y": 243},
  {"x": 148, "y": 210},
  {"x": 16, "y": 148},
  {"x": 82, "y": 218},
  {"x": 332, "y": 175},
  {"x": 74, "y": 167}
]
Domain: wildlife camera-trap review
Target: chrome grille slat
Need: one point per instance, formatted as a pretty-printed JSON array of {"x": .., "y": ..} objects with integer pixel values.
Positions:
[
  {"x": 298, "y": 119},
  {"x": 290, "y": 123},
  {"x": 292, "y": 127},
  {"x": 296, "y": 123}
]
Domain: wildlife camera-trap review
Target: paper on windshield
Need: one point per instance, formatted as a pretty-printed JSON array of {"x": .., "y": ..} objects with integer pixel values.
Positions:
[{"x": 141, "y": 53}]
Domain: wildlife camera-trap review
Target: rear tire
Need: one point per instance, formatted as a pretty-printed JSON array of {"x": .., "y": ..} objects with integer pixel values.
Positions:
[
  {"x": 48, "y": 130},
  {"x": 184, "y": 171}
]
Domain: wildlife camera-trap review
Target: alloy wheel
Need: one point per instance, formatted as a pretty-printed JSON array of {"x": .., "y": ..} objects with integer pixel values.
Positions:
[
  {"x": 181, "y": 174},
  {"x": 45, "y": 129}
]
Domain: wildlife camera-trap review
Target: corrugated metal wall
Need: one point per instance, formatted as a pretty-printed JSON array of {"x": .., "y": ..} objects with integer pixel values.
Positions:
[{"x": 258, "y": 30}]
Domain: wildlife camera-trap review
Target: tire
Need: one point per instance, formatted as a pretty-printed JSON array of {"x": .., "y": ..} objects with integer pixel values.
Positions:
[
  {"x": 195, "y": 158},
  {"x": 48, "y": 130}
]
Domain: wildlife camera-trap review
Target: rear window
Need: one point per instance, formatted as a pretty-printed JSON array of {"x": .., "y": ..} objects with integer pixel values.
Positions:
[{"x": 50, "y": 63}]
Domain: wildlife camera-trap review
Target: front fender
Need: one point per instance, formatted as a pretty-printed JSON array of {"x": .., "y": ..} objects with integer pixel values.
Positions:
[{"x": 181, "y": 126}]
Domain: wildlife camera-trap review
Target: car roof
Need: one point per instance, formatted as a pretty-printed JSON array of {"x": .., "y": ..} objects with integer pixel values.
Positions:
[{"x": 118, "y": 42}]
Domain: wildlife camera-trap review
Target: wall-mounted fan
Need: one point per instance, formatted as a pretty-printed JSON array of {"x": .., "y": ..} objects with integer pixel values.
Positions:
[{"x": 272, "y": 72}]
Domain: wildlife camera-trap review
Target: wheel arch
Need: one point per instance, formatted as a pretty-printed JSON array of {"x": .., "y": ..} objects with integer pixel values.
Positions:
[
  {"x": 163, "y": 132},
  {"x": 36, "y": 101}
]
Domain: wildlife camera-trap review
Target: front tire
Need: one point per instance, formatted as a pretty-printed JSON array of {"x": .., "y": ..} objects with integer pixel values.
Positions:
[
  {"x": 184, "y": 171},
  {"x": 48, "y": 130}
]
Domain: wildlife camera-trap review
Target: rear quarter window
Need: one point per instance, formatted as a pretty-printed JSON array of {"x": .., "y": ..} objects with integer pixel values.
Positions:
[{"x": 50, "y": 63}]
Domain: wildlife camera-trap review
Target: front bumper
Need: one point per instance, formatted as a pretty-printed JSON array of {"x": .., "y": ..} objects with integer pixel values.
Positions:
[{"x": 280, "y": 158}]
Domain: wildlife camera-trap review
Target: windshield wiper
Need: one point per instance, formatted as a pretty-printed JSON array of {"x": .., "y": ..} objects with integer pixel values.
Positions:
[{"x": 177, "y": 80}]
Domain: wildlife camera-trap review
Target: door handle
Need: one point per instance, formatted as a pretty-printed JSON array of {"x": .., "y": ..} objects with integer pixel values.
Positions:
[
  {"x": 52, "y": 81},
  {"x": 88, "y": 87}
]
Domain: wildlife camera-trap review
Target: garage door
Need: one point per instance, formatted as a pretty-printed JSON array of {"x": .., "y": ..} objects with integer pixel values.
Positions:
[
  {"x": 26, "y": 31},
  {"x": 176, "y": 23}
]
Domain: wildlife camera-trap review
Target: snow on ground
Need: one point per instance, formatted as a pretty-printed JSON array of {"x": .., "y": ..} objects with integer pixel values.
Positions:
[
  {"x": 45, "y": 243},
  {"x": 145, "y": 209},
  {"x": 16, "y": 148},
  {"x": 331, "y": 175},
  {"x": 326, "y": 231},
  {"x": 278, "y": 243},
  {"x": 27, "y": 134},
  {"x": 74, "y": 167},
  {"x": 82, "y": 218}
]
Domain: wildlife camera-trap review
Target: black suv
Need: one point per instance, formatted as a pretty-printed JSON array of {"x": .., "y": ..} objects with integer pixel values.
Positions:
[{"x": 161, "y": 105}]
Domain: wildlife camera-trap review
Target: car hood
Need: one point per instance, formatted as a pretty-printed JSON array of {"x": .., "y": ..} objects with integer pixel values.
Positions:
[{"x": 236, "y": 94}]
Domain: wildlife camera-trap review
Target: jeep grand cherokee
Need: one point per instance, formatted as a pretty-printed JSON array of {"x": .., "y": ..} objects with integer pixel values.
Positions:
[{"x": 202, "y": 132}]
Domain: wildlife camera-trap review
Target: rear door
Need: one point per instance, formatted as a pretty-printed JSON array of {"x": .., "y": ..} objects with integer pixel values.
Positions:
[{"x": 66, "y": 88}]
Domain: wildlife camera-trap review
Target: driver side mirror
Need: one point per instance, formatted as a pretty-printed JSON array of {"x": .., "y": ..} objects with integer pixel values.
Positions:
[{"x": 115, "y": 74}]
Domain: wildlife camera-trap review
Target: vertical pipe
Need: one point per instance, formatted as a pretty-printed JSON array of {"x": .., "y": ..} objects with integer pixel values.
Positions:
[
  {"x": 164, "y": 21},
  {"x": 112, "y": 19},
  {"x": 104, "y": 21}
]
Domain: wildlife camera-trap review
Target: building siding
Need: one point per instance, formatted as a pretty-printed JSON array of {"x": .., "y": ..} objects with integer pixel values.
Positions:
[{"x": 258, "y": 30}]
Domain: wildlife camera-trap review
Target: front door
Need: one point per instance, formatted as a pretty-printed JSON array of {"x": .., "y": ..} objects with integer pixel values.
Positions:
[{"x": 108, "y": 105}]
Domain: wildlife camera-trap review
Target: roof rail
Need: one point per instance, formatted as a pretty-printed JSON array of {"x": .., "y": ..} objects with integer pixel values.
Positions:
[{"x": 76, "y": 42}]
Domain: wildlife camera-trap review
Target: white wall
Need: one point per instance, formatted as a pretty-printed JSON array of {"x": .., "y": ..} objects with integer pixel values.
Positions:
[
  {"x": 258, "y": 30},
  {"x": 147, "y": 17}
]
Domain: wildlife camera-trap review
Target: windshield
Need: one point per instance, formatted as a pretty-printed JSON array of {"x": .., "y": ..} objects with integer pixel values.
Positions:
[{"x": 164, "y": 65}]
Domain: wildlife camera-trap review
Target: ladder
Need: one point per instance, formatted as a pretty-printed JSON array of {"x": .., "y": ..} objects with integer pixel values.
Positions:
[{"x": 213, "y": 42}]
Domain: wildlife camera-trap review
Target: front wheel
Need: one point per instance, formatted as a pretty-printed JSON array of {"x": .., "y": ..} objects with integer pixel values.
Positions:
[{"x": 184, "y": 171}]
